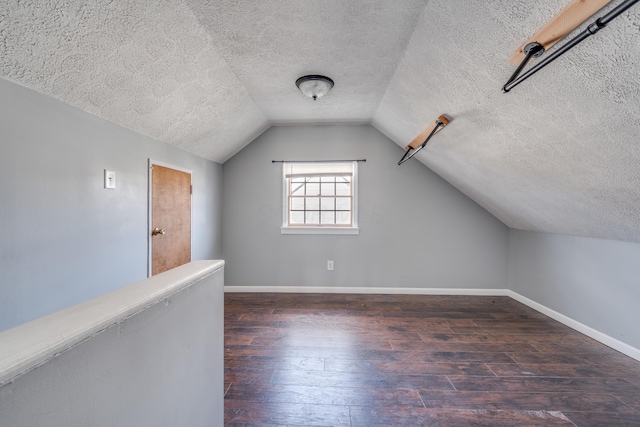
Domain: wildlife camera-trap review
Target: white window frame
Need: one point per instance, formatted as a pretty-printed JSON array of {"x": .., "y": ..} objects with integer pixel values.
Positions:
[{"x": 320, "y": 229}]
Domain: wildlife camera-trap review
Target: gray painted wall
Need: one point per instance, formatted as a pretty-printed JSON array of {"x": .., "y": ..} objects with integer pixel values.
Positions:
[
  {"x": 160, "y": 368},
  {"x": 593, "y": 281},
  {"x": 63, "y": 238},
  {"x": 416, "y": 230}
]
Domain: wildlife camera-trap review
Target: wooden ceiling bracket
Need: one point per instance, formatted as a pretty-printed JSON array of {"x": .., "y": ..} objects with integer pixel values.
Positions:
[{"x": 416, "y": 145}]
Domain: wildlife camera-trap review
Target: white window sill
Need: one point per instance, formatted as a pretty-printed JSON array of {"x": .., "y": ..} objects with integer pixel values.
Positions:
[{"x": 319, "y": 230}]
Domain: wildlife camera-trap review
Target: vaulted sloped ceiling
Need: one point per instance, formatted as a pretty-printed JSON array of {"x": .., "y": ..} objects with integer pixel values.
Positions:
[{"x": 560, "y": 153}]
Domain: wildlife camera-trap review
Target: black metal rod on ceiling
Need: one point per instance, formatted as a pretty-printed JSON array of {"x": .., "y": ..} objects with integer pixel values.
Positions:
[
  {"x": 317, "y": 161},
  {"x": 410, "y": 152},
  {"x": 596, "y": 26}
]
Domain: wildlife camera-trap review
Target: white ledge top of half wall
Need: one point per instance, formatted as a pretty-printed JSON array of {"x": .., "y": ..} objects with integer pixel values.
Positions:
[{"x": 34, "y": 343}]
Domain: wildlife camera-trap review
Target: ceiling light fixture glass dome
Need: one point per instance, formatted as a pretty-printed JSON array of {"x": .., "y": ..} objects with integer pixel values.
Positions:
[{"x": 314, "y": 86}]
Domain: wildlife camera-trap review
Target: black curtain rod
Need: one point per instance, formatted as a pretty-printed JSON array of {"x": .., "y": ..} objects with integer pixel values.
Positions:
[{"x": 317, "y": 161}]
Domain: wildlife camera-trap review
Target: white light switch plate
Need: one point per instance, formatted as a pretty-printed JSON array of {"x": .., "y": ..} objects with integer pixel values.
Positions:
[{"x": 109, "y": 179}]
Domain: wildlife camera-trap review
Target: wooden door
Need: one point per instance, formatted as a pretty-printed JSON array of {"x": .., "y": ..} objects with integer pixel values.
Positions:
[{"x": 170, "y": 218}]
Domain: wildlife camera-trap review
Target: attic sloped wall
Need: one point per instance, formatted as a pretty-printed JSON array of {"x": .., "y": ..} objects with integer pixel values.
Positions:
[
  {"x": 593, "y": 281},
  {"x": 63, "y": 237},
  {"x": 416, "y": 230}
]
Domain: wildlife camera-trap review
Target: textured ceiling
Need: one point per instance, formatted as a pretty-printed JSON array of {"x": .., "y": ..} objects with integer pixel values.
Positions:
[{"x": 560, "y": 153}]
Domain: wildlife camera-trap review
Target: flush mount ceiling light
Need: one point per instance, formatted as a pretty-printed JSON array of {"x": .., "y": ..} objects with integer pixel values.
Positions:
[{"x": 314, "y": 86}]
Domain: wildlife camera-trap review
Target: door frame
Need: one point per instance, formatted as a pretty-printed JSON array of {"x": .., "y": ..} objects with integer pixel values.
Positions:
[{"x": 150, "y": 165}]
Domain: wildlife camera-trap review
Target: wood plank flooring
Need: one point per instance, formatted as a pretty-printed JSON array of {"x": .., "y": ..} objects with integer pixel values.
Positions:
[{"x": 389, "y": 360}]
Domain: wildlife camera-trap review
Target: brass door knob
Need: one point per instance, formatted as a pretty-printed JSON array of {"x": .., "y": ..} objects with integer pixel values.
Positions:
[{"x": 157, "y": 231}]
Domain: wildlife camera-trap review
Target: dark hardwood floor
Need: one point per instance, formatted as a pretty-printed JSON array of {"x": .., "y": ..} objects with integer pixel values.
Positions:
[{"x": 382, "y": 360}]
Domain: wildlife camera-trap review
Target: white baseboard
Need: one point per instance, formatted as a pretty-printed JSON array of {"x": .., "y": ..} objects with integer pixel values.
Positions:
[
  {"x": 574, "y": 324},
  {"x": 580, "y": 327},
  {"x": 363, "y": 290}
]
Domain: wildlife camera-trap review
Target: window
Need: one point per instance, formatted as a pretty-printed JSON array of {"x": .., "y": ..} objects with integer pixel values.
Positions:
[{"x": 320, "y": 198}]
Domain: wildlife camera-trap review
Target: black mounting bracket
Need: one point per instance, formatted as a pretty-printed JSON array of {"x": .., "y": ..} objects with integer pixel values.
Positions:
[{"x": 531, "y": 50}]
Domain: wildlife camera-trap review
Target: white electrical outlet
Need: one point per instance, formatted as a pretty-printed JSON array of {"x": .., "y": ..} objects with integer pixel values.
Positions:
[
  {"x": 109, "y": 179},
  {"x": 330, "y": 265}
]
